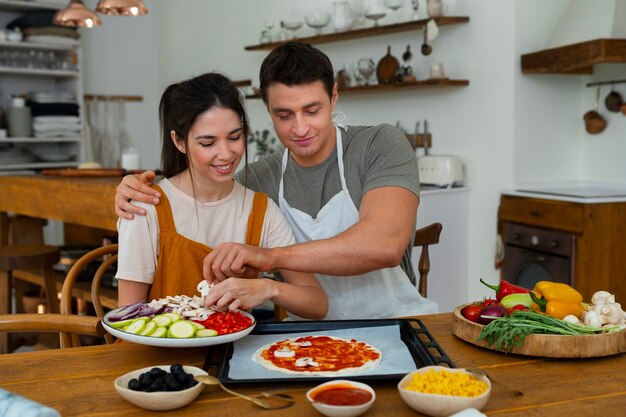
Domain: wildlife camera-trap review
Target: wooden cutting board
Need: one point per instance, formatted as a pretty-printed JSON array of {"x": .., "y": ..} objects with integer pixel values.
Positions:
[
  {"x": 548, "y": 346},
  {"x": 387, "y": 68}
]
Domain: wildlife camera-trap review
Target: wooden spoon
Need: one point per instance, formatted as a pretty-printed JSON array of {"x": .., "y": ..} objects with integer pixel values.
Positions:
[
  {"x": 211, "y": 380},
  {"x": 426, "y": 48},
  {"x": 407, "y": 55}
]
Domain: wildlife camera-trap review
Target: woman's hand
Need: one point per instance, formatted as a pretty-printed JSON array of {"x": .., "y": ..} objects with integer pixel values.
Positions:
[{"x": 135, "y": 187}]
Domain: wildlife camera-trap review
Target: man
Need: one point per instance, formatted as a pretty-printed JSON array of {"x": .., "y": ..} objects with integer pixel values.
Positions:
[{"x": 349, "y": 194}]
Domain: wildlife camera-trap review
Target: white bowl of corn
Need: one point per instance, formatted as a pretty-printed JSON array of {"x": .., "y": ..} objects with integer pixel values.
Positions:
[{"x": 441, "y": 391}]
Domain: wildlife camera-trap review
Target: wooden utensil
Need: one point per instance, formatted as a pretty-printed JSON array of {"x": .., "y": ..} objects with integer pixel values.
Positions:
[
  {"x": 387, "y": 68},
  {"x": 426, "y": 48},
  {"x": 211, "y": 380},
  {"x": 407, "y": 55}
]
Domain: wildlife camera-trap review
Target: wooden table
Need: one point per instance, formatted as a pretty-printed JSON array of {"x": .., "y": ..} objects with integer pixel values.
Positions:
[
  {"x": 77, "y": 200},
  {"x": 80, "y": 382}
]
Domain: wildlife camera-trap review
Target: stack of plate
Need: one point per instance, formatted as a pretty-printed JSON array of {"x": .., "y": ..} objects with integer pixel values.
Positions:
[{"x": 13, "y": 156}]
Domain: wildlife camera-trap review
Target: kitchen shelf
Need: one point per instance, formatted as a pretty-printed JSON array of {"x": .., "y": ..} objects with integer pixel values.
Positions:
[
  {"x": 37, "y": 45},
  {"x": 422, "y": 84},
  {"x": 38, "y": 72},
  {"x": 28, "y": 6},
  {"x": 23, "y": 74},
  {"x": 41, "y": 140},
  {"x": 577, "y": 58},
  {"x": 39, "y": 165},
  {"x": 433, "y": 83},
  {"x": 365, "y": 32}
]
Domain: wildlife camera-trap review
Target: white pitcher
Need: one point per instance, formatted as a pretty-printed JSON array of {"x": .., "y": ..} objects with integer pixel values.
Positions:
[{"x": 342, "y": 16}]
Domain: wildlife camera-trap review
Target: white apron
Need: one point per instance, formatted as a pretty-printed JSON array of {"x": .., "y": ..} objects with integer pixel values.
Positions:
[{"x": 383, "y": 293}]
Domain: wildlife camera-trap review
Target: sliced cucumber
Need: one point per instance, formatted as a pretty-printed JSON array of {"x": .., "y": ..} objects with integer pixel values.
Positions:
[
  {"x": 175, "y": 317},
  {"x": 159, "y": 332},
  {"x": 151, "y": 326},
  {"x": 182, "y": 329},
  {"x": 162, "y": 320},
  {"x": 197, "y": 325},
  {"x": 206, "y": 333},
  {"x": 120, "y": 324},
  {"x": 136, "y": 327}
]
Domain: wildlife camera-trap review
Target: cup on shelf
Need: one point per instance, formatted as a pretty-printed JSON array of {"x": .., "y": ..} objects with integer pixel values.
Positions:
[
  {"x": 436, "y": 8},
  {"x": 130, "y": 158},
  {"x": 437, "y": 71},
  {"x": 19, "y": 119}
]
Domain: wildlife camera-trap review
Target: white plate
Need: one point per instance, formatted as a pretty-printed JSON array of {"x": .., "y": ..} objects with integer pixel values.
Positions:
[
  {"x": 56, "y": 157},
  {"x": 169, "y": 342}
]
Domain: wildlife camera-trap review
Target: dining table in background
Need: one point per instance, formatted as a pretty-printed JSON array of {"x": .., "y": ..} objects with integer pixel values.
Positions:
[
  {"x": 84, "y": 201},
  {"x": 79, "y": 381}
]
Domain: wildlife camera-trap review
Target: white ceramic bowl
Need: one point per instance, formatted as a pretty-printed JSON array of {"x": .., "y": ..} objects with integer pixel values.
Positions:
[
  {"x": 161, "y": 400},
  {"x": 441, "y": 405},
  {"x": 341, "y": 410}
]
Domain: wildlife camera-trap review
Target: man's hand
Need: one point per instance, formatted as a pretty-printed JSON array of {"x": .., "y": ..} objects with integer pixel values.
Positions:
[
  {"x": 235, "y": 260},
  {"x": 240, "y": 293},
  {"x": 135, "y": 187}
]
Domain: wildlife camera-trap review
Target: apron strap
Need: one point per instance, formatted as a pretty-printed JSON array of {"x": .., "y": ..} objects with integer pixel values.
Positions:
[
  {"x": 339, "y": 145},
  {"x": 342, "y": 176},
  {"x": 256, "y": 218},
  {"x": 164, "y": 213}
]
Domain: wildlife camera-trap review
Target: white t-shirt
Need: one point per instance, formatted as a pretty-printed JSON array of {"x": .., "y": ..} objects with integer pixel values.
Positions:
[{"x": 209, "y": 223}]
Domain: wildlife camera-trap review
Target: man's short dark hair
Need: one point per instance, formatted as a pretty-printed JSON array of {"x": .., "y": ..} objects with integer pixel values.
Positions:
[{"x": 295, "y": 63}]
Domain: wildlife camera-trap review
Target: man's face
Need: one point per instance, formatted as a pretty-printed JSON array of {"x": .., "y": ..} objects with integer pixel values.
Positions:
[{"x": 302, "y": 119}]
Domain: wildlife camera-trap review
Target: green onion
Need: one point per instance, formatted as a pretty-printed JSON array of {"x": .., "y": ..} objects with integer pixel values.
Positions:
[{"x": 507, "y": 332}]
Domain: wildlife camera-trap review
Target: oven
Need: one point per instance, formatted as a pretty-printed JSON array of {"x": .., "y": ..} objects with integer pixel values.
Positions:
[{"x": 533, "y": 254}]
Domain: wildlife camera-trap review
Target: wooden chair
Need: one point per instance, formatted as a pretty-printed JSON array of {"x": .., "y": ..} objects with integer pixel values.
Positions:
[
  {"x": 26, "y": 257},
  {"x": 64, "y": 324},
  {"x": 109, "y": 254},
  {"x": 424, "y": 237},
  {"x": 67, "y": 324}
]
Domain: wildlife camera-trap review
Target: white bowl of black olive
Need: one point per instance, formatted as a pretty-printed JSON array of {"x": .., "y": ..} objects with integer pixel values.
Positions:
[{"x": 162, "y": 387}]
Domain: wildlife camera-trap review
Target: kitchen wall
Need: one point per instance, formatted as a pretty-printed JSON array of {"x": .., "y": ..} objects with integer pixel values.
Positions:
[
  {"x": 120, "y": 58},
  {"x": 507, "y": 127},
  {"x": 549, "y": 135}
]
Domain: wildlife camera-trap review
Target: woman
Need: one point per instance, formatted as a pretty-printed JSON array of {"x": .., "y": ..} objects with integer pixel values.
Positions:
[{"x": 204, "y": 129}]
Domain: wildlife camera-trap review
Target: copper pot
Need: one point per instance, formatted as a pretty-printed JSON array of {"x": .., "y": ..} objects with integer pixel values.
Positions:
[
  {"x": 594, "y": 122},
  {"x": 613, "y": 101}
]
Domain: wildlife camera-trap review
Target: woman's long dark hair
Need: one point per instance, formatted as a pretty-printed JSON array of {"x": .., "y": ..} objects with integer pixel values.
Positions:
[{"x": 180, "y": 106}]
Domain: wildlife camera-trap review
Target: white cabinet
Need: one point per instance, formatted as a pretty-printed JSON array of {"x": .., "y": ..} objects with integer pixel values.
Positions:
[
  {"x": 448, "y": 283},
  {"x": 27, "y": 67}
]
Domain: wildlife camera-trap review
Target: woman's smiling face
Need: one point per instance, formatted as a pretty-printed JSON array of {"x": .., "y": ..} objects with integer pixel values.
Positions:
[{"x": 215, "y": 145}]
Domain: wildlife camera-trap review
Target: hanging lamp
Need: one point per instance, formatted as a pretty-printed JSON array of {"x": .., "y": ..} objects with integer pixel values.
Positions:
[
  {"x": 76, "y": 14},
  {"x": 121, "y": 7}
]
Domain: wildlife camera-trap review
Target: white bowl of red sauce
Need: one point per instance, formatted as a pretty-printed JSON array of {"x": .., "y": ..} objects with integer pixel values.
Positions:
[{"x": 342, "y": 398}]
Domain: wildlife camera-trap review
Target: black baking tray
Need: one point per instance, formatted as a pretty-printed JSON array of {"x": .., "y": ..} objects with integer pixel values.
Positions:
[{"x": 422, "y": 346}]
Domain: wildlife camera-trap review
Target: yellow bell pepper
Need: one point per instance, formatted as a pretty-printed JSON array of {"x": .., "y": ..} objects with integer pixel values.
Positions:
[{"x": 557, "y": 299}]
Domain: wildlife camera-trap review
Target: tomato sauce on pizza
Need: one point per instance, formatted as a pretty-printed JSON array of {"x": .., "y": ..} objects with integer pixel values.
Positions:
[{"x": 320, "y": 354}]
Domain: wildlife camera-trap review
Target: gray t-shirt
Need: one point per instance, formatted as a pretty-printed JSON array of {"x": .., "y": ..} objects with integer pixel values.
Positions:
[{"x": 374, "y": 156}]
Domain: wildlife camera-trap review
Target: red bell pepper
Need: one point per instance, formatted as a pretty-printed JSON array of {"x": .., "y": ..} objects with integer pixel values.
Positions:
[{"x": 505, "y": 288}]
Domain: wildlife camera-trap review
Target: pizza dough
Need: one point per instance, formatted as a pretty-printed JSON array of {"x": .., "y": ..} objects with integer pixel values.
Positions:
[{"x": 318, "y": 355}]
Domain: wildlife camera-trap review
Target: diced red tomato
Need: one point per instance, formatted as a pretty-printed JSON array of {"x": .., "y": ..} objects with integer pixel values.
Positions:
[{"x": 226, "y": 322}]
